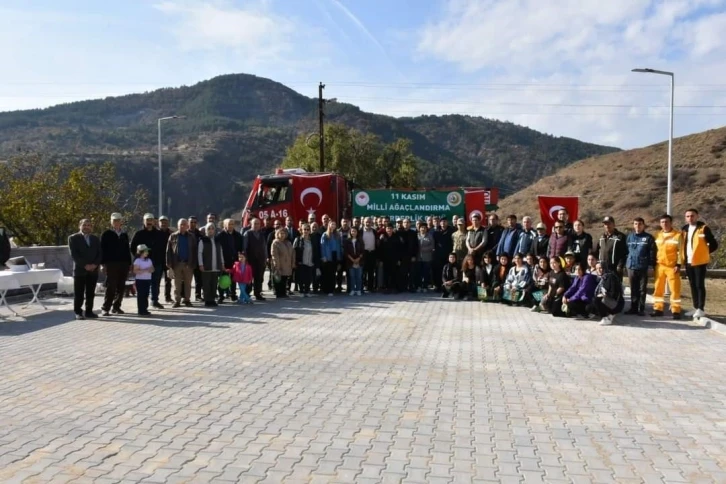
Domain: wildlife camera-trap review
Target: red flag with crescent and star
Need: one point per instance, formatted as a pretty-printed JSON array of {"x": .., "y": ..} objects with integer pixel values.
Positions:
[
  {"x": 550, "y": 205},
  {"x": 475, "y": 203}
]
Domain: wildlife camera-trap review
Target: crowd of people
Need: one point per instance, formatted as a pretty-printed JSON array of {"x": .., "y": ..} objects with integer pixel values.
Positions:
[{"x": 566, "y": 273}]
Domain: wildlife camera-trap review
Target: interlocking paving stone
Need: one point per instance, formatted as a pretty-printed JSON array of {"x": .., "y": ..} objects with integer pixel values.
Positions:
[{"x": 370, "y": 389}]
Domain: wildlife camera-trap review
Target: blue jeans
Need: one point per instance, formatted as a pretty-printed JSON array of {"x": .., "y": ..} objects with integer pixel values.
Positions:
[
  {"x": 142, "y": 294},
  {"x": 156, "y": 277},
  {"x": 355, "y": 275},
  {"x": 243, "y": 296}
]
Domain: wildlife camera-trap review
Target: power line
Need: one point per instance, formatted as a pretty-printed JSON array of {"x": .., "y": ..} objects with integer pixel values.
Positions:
[{"x": 483, "y": 103}]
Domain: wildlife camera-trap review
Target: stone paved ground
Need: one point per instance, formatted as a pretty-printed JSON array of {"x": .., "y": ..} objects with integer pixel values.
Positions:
[{"x": 371, "y": 389}]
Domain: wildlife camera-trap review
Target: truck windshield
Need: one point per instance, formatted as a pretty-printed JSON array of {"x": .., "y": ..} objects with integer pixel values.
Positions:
[{"x": 271, "y": 193}]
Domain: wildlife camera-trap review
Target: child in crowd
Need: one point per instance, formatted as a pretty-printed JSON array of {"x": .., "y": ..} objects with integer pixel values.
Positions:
[
  {"x": 242, "y": 276},
  {"x": 143, "y": 268}
]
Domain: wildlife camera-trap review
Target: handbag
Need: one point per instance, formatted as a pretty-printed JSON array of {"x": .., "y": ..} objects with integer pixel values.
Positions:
[
  {"x": 609, "y": 302},
  {"x": 537, "y": 295},
  {"x": 481, "y": 294},
  {"x": 565, "y": 308}
]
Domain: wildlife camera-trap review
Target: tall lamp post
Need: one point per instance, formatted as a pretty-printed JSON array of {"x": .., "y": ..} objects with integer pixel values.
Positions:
[
  {"x": 670, "y": 135},
  {"x": 161, "y": 198}
]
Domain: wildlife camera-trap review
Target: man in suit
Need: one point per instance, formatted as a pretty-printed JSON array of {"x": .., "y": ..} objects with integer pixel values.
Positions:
[{"x": 85, "y": 251}]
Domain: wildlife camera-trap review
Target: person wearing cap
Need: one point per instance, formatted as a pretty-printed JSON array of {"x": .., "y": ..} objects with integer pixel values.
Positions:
[
  {"x": 458, "y": 240},
  {"x": 144, "y": 272},
  {"x": 570, "y": 262},
  {"x": 181, "y": 260},
  {"x": 699, "y": 244},
  {"x": 152, "y": 237},
  {"x": 115, "y": 264},
  {"x": 85, "y": 249},
  {"x": 580, "y": 242},
  {"x": 527, "y": 236},
  {"x": 166, "y": 232},
  {"x": 194, "y": 230},
  {"x": 541, "y": 242},
  {"x": 612, "y": 248},
  {"x": 642, "y": 254}
]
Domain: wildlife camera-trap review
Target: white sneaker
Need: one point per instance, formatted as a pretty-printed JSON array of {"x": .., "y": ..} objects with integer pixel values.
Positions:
[
  {"x": 535, "y": 309},
  {"x": 690, "y": 314},
  {"x": 606, "y": 321},
  {"x": 699, "y": 314}
]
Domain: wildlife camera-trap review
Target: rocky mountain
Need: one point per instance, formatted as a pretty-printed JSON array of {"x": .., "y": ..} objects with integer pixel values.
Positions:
[
  {"x": 238, "y": 126},
  {"x": 633, "y": 183}
]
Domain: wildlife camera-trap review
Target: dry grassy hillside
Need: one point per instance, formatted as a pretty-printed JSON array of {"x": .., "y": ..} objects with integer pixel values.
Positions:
[{"x": 632, "y": 183}]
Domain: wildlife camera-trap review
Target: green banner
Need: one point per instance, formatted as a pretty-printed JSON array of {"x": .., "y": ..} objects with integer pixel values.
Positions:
[{"x": 414, "y": 205}]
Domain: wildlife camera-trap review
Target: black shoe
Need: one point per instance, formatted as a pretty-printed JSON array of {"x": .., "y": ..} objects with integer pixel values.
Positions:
[
  {"x": 213, "y": 304},
  {"x": 118, "y": 311},
  {"x": 221, "y": 300},
  {"x": 676, "y": 316},
  {"x": 80, "y": 317},
  {"x": 260, "y": 298},
  {"x": 157, "y": 305},
  {"x": 91, "y": 315},
  {"x": 207, "y": 304},
  {"x": 145, "y": 313},
  {"x": 169, "y": 300},
  {"x": 631, "y": 312},
  {"x": 234, "y": 298},
  {"x": 641, "y": 313},
  {"x": 176, "y": 305},
  {"x": 198, "y": 297},
  {"x": 188, "y": 303},
  {"x": 105, "y": 312},
  {"x": 444, "y": 296},
  {"x": 656, "y": 314}
]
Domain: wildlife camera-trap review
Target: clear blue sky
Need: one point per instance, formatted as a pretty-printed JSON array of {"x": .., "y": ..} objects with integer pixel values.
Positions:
[{"x": 562, "y": 67}]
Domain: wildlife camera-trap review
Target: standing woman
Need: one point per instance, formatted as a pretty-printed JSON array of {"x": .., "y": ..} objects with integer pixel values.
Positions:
[
  {"x": 331, "y": 255},
  {"x": 307, "y": 259},
  {"x": 211, "y": 263},
  {"x": 283, "y": 262},
  {"x": 353, "y": 250}
]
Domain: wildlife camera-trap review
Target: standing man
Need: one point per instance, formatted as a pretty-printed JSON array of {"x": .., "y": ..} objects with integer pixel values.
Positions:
[
  {"x": 510, "y": 238},
  {"x": 152, "y": 237},
  {"x": 494, "y": 235},
  {"x": 194, "y": 230},
  {"x": 181, "y": 259},
  {"x": 564, "y": 216},
  {"x": 4, "y": 247},
  {"x": 410, "y": 246},
  {"x": 166, "y": 233},
  {"x": 541, "y": 245},
  {"x": 231, "y": 242},
  {"x": 85, "y": 251},
  {"x": 668, "y": 267},
  {"x": 255, "y": 248},
  {"x": 116, "y": 261},
  {"x": 443, "y": 246},
  {"x": 559, "y": 242},
  {"x": 699, "y": 244},
  {"x": 611, "y": 248},
  {"x": 476, "y": 239},
  {"x": 581, "y": 242},
  {"x": 642, "y": 253},
  {"x": 369, "y": 239}
]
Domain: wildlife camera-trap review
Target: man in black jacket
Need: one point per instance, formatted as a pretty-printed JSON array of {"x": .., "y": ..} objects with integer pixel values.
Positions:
[
  {"x": 155, "y": 241},
  {"x": 409, "y": 241},
  {"x": 166, "y": 232},
  {"x": 115, "y": 261},
  {"x": 85, "y": 251},
  {"x": 255, "y": 247},
  {"x": 232, "y": 243},
  {"x": 443, "y": 246},
  {"x": 494, "y": 234},
  {"x": 611, "y": 248},
  {"x": 194, "y": 229}
]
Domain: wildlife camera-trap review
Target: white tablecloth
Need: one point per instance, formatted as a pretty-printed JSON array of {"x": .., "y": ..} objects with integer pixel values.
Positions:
[
  {"x": 7, "y": 281},
  {"x": 35, "y": 276}
]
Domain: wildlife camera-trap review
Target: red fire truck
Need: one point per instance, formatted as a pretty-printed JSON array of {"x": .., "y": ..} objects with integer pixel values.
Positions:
[{"x": 297, "y": 193}]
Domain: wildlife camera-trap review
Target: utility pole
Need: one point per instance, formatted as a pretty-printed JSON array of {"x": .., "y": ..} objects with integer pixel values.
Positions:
[{"x": 321, "y": 115}]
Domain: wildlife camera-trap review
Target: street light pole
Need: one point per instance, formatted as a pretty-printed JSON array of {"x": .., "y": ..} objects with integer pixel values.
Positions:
[
  {"x": 669, "y": 193},
  {"x": 161, "y": 197}
]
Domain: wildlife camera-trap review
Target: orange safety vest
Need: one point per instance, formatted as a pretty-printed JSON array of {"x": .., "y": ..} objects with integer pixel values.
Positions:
[
  {"x": 701, "y": 250},
  {"x": 670, "y": 248}
]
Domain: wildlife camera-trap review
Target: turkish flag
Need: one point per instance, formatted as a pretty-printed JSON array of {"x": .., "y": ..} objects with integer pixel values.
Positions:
[
  {"x": 549, "y": 206},
  {"x": 475, "y": 203}
]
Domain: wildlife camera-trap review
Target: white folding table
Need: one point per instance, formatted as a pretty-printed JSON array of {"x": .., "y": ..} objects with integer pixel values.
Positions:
[
  {"x": 7, "y": 282},
  {"x": 34, "y": 279}
]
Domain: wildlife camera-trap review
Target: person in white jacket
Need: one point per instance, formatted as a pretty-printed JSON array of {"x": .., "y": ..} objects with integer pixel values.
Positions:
[{"x": 518, "y": 279}]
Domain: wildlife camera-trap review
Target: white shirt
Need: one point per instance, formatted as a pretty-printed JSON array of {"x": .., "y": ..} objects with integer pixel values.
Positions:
[
  {"x": 369, "y": 240},
  {"x": 689, "y": 245},
  {"x": 142, "y": 264}
]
